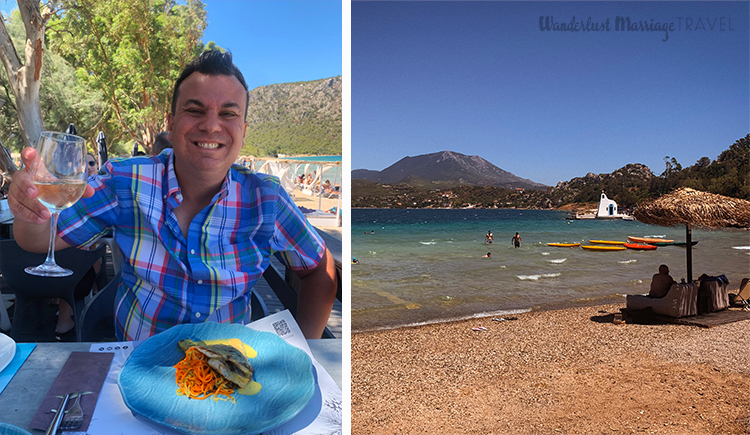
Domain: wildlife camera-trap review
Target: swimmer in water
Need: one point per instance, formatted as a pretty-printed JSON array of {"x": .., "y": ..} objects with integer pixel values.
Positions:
[
  {"x": 489, "y": 237},
  {"x": 489, "y": 255},
  {"x": 516, "y": 240}
]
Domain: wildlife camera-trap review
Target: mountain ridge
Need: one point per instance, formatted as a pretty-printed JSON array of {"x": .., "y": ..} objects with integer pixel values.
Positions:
[
  {"x": 446, "y": 169},
  {"x": 295, "y": 118}
]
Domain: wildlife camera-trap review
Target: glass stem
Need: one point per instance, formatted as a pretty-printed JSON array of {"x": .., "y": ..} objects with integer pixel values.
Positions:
[{"x": 52, "y": 236}]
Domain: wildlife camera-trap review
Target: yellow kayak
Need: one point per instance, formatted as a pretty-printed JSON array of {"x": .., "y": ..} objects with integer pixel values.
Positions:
[
  {"x": 603, "y": 248},
  {"x": 606, "y": 242},
  {"x": 564, "y": 245}
]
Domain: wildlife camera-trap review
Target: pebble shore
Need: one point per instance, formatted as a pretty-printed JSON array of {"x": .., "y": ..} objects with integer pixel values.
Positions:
[{"x": 570, "y": 371}]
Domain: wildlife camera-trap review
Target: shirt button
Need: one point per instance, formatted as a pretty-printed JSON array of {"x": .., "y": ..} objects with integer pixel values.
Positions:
[
  {"x": 179, "y": 197},
  {"x": 200, "y": 281},
  {"x": 192, "y": 251},
  {"x": 197, "y": 314}
]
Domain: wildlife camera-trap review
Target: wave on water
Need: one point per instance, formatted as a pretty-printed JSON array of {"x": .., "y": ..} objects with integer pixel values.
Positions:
[
  {"x": 558, "y": 261},
  {"x": 452, "y": 319},
  {"x": 428, "y": 243},
  {"x": 740, "y": 247},
  {"x": 627, "y": 261},
  {"x": 545, "y": 253},
  {"x": 536, "y": 277}
]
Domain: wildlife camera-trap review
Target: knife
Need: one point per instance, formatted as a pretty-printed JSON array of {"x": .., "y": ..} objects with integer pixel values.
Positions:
[{"x": 52, "y": 429}]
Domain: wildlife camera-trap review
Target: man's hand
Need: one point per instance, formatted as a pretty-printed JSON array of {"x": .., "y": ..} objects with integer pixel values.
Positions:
[
  {"x": 316, "y": 295},
  {"x": 30, "y": 226}
]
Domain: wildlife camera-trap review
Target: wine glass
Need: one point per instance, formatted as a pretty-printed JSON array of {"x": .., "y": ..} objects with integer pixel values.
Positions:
[{"x": 60, "y": 177}]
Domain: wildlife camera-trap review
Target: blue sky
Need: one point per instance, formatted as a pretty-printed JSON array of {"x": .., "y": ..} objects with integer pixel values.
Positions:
[
  {"x": 481, "y": 78},
  {"x": 278, "y": 41},
  {"x": 273, "y": 41}
]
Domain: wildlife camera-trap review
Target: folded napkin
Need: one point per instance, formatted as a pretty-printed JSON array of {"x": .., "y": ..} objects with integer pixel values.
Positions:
[{"x": 83, "y": 371}]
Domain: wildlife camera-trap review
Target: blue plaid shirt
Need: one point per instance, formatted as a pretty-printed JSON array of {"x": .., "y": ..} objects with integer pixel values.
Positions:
[{"x": 168, "y": 279}]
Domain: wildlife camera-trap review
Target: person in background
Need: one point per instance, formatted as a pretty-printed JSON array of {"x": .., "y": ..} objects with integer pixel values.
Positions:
[
  {"x": 661, "y": 283},
  {"x": 161, "y": 142},
  {"x": 516, "y": 240},
  {"x": 195, "y": 230},
  {"x": 93, "y": 166}
]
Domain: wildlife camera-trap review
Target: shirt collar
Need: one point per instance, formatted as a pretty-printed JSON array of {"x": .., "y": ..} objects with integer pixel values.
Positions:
[{"x": 172, "y": 187}]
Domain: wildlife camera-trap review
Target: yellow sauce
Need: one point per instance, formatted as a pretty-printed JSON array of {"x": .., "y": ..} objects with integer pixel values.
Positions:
[{"x": 254, "y": 387}]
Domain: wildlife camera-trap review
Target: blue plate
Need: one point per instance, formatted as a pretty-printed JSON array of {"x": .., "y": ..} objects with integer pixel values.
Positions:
[
  {"x": 147, "y": 383},
  {"x": 9, "y": 429}
]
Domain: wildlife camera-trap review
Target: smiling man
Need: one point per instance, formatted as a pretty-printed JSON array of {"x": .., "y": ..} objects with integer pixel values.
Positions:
[{"x": 195, "y": 230}]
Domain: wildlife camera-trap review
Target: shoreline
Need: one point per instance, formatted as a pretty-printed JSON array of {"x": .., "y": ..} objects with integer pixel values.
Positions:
[
  {"x": 550, "y": 306},
  {"x": 568, "y": 370}
]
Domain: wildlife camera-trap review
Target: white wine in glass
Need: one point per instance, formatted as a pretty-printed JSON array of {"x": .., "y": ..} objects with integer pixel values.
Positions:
[{"x": 60, "y": 177}]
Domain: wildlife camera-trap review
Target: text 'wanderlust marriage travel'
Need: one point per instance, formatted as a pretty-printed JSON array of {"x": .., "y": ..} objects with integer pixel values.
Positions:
[{"x": 721, "y": 24}]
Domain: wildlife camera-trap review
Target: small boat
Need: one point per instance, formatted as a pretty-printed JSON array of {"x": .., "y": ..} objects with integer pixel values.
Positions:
[
  {"x": 603, "y": 248},
  {"x": 674, "y": 243},
  {"x": 564, "y": 245},
  {"x": 648, "y": 240},
  {"x": 640, "y": 247},
  {"x": 606, "y": 242}
]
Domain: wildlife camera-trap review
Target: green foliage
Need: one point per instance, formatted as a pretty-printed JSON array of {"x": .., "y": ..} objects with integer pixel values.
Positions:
[
  {"x": 132, "y": 52},
  {"x": 728, "y": 175},
  {"x": 63, "y": 99},
  {"x": 295, "y": 118}
]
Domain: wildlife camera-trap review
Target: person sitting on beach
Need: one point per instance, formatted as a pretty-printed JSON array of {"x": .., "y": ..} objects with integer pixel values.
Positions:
[
  {"x": 661, "y": 283},
  {"x": 516, "y": 240}
]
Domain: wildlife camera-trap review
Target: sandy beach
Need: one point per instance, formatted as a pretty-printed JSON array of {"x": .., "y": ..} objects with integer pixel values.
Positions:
[{"x": 568, "y": 371}]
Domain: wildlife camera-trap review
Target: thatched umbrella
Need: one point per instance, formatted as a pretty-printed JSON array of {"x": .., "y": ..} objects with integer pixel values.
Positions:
[{"x": 693, "y": 208}]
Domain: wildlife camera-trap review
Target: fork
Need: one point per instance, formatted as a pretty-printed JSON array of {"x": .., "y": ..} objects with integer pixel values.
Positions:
[{"x": 74, "y": 416}]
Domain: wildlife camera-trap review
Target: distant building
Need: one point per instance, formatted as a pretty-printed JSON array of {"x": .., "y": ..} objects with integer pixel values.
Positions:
[
  {"x": 607, "y": 210},
  {"x": 607, "y": 207}
]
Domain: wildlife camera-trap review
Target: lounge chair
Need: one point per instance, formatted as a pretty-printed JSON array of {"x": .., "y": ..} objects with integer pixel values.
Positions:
[
  {"x": 742, "y": 298},
  {"x": 712, "y": 294},
  {"x": 680, "y": 301}
]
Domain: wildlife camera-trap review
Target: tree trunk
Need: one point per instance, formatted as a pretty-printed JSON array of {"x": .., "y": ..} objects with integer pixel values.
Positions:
[{"x": 25, "y": 77}]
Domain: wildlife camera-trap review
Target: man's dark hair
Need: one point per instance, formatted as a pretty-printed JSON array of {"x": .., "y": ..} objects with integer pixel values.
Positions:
[{"x": 213, "y": 63}]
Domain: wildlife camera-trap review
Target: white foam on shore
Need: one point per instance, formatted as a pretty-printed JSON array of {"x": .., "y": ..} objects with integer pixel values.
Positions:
[
  {"x": 536, "y": 277},
  {"x": 558, "y": 261},
  {"x": 428, "y": 243},
  {"x": 627, "y": 261},
  {"x": 452, "y": 319},
  {"x": 545, "y": 253},
  {"x": 740, "y": 247}
]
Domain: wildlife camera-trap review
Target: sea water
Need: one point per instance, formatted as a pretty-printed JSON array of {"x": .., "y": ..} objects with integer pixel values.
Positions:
[{"x": 427, "y": 265}]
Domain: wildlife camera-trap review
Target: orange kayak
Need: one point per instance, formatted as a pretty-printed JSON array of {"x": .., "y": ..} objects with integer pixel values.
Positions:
[
  {"x": 640, "y": 247},
  {"x": 647, "y": 240}
]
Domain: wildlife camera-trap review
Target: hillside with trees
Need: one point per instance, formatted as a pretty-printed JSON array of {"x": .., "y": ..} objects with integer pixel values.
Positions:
[
  {"x": 295, "y": 118},
  {"x": 728, "y": 175},
  {"x": 111, "y": 66}
]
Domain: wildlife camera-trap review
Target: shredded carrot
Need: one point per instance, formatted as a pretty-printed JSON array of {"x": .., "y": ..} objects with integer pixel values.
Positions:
[{"x": 197, "y": 380}]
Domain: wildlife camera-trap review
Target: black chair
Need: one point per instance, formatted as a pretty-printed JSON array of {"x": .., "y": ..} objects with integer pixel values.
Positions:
[
  {"x": 258, "y": 308},
  {"x": 100, "y": 307},
  {"x": 30, "y": 288}
]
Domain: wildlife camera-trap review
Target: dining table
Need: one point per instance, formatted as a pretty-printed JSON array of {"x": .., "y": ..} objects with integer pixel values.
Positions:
[{"x": 23, "y": 395}]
